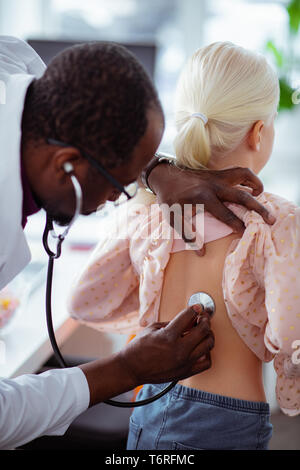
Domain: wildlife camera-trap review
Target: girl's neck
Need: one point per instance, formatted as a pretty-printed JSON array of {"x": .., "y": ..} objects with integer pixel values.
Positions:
[{"x": 239, "y": 157}]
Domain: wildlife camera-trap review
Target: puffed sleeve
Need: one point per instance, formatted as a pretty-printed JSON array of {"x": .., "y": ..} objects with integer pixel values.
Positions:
[
  {"x": 106, "y": 294},
  {"x": 282, "y": 284},
  {"x": 287, "y": 384},
  {"x": 261, "y": 285},
  {"x": 282, "y": 299}
]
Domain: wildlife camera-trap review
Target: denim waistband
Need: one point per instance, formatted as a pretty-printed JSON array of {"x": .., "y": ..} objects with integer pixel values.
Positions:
[{"x": 193, "y": 394}]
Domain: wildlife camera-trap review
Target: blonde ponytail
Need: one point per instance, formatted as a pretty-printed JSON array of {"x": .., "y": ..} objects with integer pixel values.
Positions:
[
  {"x": 192, "y": 141},
  {"x": 233, "y": 88}
]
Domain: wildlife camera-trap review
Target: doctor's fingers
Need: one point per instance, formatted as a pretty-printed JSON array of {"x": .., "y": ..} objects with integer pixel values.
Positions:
[
  {"x": 193, "y": 237},
  {"x": 206, "y": 345},
  {"x": 185, "y": 227},
  {"x": 200, "y": 336},
  {"x": 225, "y": 215},
  {"x": 234, "y": 175},
  {"x": 186, "y": 320},
  {"x": 244, "y": 198}
]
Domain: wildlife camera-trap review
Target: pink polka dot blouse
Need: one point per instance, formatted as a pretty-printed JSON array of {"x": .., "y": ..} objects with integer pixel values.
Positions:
[{"x": 120, "y": 287}]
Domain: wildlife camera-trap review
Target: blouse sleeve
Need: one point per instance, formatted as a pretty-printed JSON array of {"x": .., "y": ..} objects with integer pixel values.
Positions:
[
  {"x": 261, "y": 285},
  {"x": 282, "y": 284},
  {"x": 106, "y": 294},
  {"x": 282, "y": 300}
]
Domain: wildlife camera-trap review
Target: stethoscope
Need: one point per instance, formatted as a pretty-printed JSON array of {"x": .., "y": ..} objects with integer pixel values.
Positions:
[{"x": 198, "y": 298}]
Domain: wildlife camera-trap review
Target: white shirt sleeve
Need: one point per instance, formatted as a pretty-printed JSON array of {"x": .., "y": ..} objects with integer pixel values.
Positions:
[{"x": 37, "y": 405}]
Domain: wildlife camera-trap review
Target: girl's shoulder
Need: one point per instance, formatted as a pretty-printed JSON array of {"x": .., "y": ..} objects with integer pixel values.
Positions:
[
  {"x": 279, "y": 204},
  {"x": 285, "y": 211},
  {"x": 280, "y": 207}
]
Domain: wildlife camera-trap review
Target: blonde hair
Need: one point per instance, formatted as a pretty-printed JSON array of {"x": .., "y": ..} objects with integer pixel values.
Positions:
[{"x": 233, "y": 88}]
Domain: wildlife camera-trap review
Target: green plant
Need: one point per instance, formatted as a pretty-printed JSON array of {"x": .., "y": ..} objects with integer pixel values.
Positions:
[{"x": 285, "y": 60}]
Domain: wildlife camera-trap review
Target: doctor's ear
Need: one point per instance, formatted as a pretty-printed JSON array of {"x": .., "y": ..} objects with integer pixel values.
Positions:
[
  {"x": 255, "y": 136},
  {"x": 65, "y": 159}
]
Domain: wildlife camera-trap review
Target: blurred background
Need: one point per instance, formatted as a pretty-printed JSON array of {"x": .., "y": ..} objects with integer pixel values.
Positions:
[{"x": 163, "y": 34}]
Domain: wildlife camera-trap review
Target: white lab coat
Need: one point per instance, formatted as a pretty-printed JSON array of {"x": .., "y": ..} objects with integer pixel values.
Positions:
[
  {"x": 19, "y": 64},
  {"x": 30, "y": 405}
]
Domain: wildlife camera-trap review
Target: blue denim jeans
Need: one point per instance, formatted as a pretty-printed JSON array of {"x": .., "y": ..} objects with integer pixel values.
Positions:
[{"x": 190, "y": 419}]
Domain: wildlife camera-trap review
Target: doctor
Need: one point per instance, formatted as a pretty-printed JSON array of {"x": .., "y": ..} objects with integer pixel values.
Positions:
[{"x": 97, "y": 99}]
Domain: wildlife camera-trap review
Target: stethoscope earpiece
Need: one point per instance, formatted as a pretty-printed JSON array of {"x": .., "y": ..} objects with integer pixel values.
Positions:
[{"x": 68, "y": 167}]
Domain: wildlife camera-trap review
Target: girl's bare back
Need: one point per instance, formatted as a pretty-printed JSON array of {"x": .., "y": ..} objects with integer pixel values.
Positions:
[{"x": 235, "y": 370}]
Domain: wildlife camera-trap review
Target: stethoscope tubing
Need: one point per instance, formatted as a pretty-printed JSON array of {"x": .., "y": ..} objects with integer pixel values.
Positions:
[
  {"x": 63, "y": 363},
  {"x": 52, "y": 256}
]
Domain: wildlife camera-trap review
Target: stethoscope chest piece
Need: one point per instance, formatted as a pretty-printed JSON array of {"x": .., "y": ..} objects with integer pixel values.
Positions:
[{"x": 205, "y": 300}]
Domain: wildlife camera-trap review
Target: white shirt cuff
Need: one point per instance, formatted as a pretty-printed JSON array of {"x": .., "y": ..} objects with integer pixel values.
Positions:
[{"x": 81, "y": 388}]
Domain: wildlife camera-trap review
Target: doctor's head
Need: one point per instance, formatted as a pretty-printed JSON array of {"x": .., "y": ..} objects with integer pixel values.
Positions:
[
  {"x": 226, "y": 102},
  {"x": 97, "y": 98}
]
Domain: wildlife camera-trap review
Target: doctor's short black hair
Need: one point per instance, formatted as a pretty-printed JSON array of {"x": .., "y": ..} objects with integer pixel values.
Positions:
[{"x": 94, "y": 96}]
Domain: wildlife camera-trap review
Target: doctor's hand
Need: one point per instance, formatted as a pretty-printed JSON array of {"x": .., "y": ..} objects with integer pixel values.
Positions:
[
  {"x": 209, "y": 187},
  {"x": 165, "y": 352}
]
